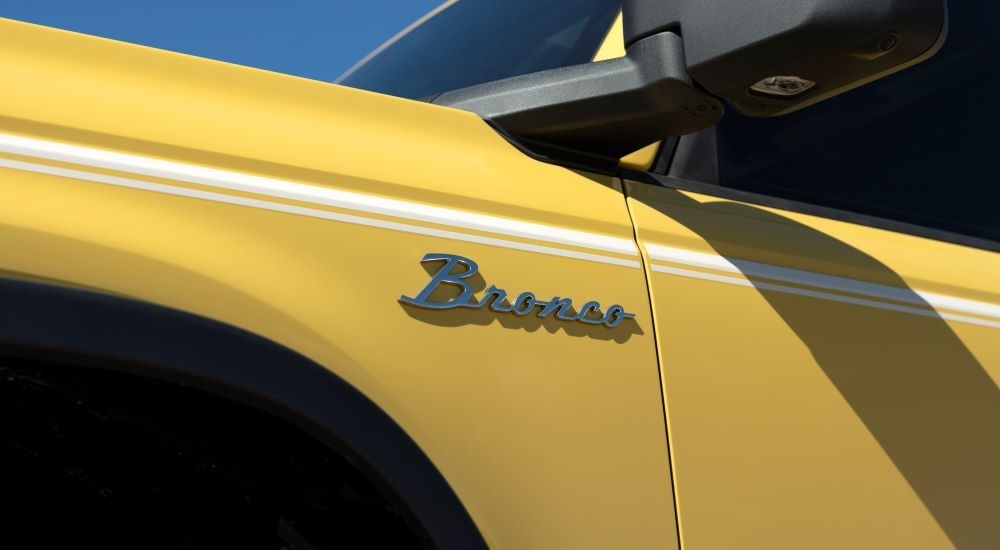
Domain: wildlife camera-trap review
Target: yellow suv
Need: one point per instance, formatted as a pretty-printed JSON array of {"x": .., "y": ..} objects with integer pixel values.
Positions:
[{"x": 537, "y": 274}]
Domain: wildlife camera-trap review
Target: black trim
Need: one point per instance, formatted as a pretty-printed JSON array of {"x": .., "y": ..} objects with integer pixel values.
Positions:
[
  {"x": 811, "y": 209},
  {"x": 695, "y": 158},
  {"x": 606, "y": 108},
  {"x": 665, "y": 155},
  {"x": 567, "y": 158},
  {"x": 51, "y": 322}
]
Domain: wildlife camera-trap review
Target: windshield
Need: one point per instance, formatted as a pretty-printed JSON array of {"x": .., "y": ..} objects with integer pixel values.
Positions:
[{"x": 468, "y": 42}]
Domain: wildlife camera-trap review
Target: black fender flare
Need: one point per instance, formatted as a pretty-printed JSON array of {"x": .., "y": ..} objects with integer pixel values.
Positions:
[{"x": 78, "y": 326}]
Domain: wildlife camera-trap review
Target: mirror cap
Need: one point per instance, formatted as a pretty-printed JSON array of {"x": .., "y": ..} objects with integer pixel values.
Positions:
[{"x": 772, "y": 57}]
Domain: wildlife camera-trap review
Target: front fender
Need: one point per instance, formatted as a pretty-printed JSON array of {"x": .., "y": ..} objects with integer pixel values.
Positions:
[{"x": 92, "y": 329}]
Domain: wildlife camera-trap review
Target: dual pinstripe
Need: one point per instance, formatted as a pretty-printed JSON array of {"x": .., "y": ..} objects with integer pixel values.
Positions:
[{"x": 459, "y": 226}]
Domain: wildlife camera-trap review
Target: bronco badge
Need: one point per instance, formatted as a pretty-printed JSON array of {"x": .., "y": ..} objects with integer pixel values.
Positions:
[{"x": 457, "y": 269}]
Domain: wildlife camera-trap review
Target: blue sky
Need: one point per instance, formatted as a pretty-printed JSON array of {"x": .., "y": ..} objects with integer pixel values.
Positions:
[{"x": 316, "y": 39}]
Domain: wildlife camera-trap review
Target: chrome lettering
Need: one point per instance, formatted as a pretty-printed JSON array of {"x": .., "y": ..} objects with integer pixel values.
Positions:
[
  {"x": 586, "y": 310},
  {"x": 524, "y": 303},
  {"x": 616, "y": 314},
  {"x": 563, "y": 305},
  {"x": 456, "y": 272},
  {"x": 446, "y": 275},
  {"x": 496, "y": 297}
]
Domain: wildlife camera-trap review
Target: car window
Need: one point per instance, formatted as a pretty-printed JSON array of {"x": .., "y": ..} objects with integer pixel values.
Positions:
[
  {"x": 917, "y": 147},
  {"x": 470, "y": 42}
]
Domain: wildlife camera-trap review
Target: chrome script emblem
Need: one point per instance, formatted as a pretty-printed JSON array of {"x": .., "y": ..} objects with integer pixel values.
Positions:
[{"x": 456, "y": 272}]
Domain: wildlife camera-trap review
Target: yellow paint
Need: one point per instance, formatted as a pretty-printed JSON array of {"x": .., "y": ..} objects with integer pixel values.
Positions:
[
  {"x": 552, "y": 435},
  {"x": 797, "y": 422},
  {"x": 642, "y": 159},
  {"x": 614, "y": 43}
]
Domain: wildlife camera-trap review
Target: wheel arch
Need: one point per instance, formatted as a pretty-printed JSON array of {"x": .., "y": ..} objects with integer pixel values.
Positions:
[{"x": 85, "y": 328}]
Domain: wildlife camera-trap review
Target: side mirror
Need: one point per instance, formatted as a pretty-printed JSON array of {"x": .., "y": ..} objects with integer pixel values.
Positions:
[
  {"x": 772, "y": 57},
  {"x": 683, "y": 57}
]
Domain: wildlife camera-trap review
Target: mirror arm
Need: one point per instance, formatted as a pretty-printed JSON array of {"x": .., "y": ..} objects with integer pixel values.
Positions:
[{"x": 605, "y": 109}]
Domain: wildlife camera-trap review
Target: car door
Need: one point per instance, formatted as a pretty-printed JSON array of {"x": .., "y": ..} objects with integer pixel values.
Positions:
[{"x": 826, "y": 290}]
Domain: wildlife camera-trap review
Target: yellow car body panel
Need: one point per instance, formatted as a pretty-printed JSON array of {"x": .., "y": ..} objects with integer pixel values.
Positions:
[
  {"x": 613, "y": 45},
  {"x": 828, "y": 385},
  {"x": 298, "y": 211}
]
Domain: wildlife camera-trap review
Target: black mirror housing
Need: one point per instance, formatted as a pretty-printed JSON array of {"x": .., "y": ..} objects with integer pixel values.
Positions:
[
  {"x": 605, "y": 109},
  {"x": 765, "y": 57},
  {"x": 772, "y": 57}
]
